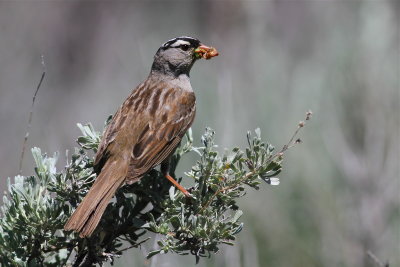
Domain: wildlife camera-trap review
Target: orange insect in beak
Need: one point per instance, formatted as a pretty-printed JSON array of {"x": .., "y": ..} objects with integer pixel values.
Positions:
[{"x": 205, "y": 52}]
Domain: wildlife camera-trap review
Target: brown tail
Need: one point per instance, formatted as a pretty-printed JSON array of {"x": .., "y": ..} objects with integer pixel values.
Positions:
[{"x": 88, "y": 214}]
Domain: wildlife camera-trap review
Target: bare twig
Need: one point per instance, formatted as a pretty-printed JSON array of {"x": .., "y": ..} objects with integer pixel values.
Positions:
[
  {"x": 30, "y": 115},
  {"x": 292, "y": 142},
  {"x": 376, "y": 260},
  {"x": 135, "y": 246}
]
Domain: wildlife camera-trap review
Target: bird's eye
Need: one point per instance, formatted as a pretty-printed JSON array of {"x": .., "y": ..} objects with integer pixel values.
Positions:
[{"x": 184, "y": 47}]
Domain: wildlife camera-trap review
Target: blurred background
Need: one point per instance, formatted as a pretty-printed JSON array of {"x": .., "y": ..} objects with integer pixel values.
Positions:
[{"x": 339, "y": 194}]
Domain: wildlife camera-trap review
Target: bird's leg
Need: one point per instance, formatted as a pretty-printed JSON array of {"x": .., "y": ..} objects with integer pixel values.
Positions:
[
  {"x": 172, "y": 180},
  {"x": 165, "y": 172}
]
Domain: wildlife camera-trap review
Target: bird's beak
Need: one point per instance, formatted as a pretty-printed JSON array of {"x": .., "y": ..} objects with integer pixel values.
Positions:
[{"x": 205, "y": 52}]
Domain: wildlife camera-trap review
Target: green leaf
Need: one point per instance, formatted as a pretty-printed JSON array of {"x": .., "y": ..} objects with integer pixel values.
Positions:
[
  {"x": 153, "y": 253},
  {"x": 237, "y": 216}
]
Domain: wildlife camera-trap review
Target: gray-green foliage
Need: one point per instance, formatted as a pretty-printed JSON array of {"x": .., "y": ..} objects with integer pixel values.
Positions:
[
  {"x": 200, "y": 224},
  {"x": 36, "y": 207}
]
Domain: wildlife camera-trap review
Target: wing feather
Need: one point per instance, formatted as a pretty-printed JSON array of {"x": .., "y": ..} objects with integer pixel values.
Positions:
[
  {"x": 150, "y": 124},
  {"x": 164, "y": 134},
  {"x": 117, "y": 124}
]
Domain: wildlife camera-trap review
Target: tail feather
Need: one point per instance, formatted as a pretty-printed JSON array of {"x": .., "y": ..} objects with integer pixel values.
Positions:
[{"x": 88, "y": 214}]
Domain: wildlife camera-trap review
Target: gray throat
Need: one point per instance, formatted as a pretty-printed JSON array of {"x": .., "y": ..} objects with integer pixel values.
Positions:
[{"x": 181, "y": 81}]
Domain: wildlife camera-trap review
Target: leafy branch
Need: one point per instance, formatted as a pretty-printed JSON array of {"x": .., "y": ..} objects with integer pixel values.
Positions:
[{"x": 36, "y": 207}]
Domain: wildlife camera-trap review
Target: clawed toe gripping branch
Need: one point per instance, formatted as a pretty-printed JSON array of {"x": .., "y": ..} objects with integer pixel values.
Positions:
[{"x": 36, "y": 207}]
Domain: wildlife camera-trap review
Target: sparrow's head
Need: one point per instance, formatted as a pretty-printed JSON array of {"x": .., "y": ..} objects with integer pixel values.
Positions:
[{"x": 177, "y": 55}]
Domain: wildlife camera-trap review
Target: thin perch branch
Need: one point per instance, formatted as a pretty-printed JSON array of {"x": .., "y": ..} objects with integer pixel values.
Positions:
[
  {"x": 376, "y": 260},
  {"x": 30, "y": 116}
]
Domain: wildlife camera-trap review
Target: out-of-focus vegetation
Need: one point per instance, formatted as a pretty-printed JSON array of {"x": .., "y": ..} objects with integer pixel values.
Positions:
[{"x": 340, "y": 196}]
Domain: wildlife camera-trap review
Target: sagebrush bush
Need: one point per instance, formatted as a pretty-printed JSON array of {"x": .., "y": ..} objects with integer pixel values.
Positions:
[{"x": 36, "y": 207}]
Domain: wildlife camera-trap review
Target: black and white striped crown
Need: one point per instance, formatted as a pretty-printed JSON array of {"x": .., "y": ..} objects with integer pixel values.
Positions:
[{"x": 178, "y": 41}]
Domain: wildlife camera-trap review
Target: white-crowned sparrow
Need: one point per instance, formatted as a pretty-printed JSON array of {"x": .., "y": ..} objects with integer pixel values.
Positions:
[{"x": 145, "y": 130}]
